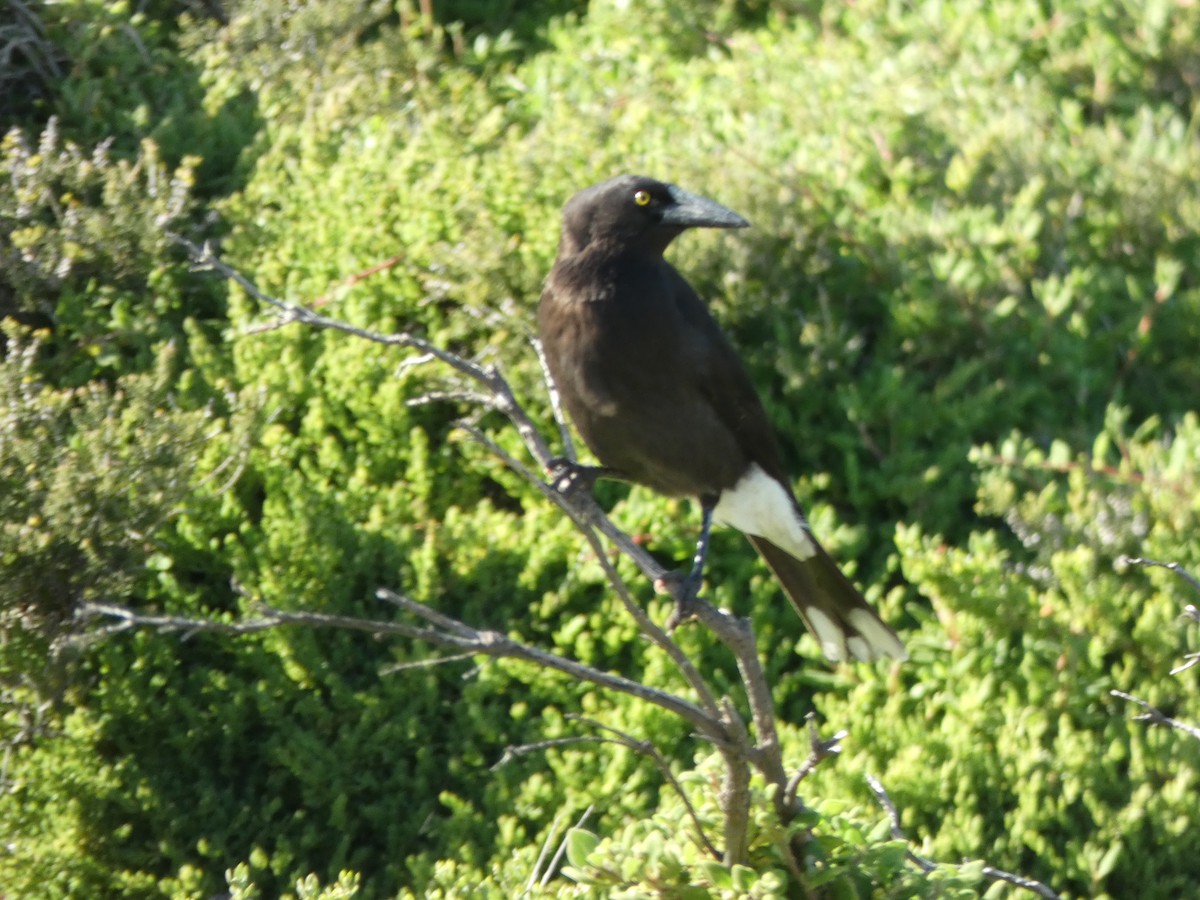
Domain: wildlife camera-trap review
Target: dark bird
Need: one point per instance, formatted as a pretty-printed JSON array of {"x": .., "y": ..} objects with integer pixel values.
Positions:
[{"x": 660, "y": 396}]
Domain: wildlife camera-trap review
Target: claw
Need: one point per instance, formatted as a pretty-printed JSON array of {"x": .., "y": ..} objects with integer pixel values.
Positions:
[
  {"x": 571, "y": 479},
  {"x": 684, "y": 589}
]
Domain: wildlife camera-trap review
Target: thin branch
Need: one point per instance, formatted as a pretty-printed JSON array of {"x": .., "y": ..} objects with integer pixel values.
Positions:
[
  {"x": 1192, "y": 660},
  {"x": 1157, "y": 717},
  {"x": 427, "y": 663},
  {"x": 819, "y": 751},
  {"x": 446, "y": 623},
  {"x": 927, "y": 866},
  {"x": 736, "y": 634},
  {"x": 562, "y": 847},
  {"x": 620, "y": 739},
  {"x": 646, "y": 748},
  {"x": 716, "y": 722},
  {"x": 1172, "y": 566},
  {"x": 1192, "y": 614},
  {"x": 512, "y": 751},
  {"x": 288, "y": 313},
  {"x": 588, "y": 518},
  {"x": 893, "y": 814},
  {"x": 448, "y": 633},
  {"x": 537, "y": 865},
  {"x": 1020, "y": 881},
  {"x": 473, "y": 397},
  {"x": 356, "y": 278}
]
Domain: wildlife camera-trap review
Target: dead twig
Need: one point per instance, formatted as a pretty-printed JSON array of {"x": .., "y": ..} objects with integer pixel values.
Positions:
[
  {"x": 1157, "y": 717},
  {"x": 927, "y": 866}
]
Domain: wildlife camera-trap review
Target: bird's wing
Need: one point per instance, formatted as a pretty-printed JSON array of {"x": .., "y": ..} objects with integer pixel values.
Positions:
[{"x": 722, "y": 378}]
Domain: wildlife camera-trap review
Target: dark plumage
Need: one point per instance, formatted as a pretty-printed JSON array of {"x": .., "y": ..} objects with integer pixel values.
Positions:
[{"x": 661, "y": 397}]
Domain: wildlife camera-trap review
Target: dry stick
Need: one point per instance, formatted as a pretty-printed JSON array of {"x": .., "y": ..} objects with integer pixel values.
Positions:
[
  {"x": 819, "y": 750},
  {"x": 735, "y": 794},
  {"x": 1172, "y": 566},
  {"x": 735, "y": 634},
  {"x": 1153, "y": 715},
  {"x": 445, "y": 633},
  {"x": 1156, "y": 716},
  {"x": 357, "y": 277},
  {"x": 537, "y": 865},
  {"x": 495, "y": 644},
  {"x": 928, "y": 866},
  {"x": 621, "y": 739},
  {"x": 562, "y": 847},
  {"x": 647, "y": 748},
  {"x": 735, "y": 791},
  {"x": 504, "y": 402},
  {"x": 767, "y": 755},
  {"x": 503, "y": 399},
  {"x": 512, "y": 751},
  {"x": 585, "y": 515}
]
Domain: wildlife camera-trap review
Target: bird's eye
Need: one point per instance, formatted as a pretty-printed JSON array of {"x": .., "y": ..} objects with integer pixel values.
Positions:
[{"x": 642, "y": 198}]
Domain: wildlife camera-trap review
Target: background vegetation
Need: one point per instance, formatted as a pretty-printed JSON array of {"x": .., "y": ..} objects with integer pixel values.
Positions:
[{"x": 971, "y": 303}]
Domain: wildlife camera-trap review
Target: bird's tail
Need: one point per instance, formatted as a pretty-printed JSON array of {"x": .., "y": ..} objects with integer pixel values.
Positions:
[{"x": 832, "y": 608}]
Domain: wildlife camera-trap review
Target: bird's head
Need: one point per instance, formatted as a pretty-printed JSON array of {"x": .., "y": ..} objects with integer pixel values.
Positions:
[{"x": 632, "y": 211}]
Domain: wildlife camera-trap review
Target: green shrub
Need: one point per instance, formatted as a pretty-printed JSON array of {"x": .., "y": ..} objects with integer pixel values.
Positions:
[
  {"x": 84, "y": 240},
  {"x": 971, "y": 220}
]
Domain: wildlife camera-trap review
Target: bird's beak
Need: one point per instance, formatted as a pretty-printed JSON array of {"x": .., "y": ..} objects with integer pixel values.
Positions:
[{"x": 693, "y": 211}]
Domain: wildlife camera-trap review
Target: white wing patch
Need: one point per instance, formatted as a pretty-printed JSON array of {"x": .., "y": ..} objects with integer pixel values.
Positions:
[
  {"x": 828, "y": 634},
  {"x": 760, "y": 505},
  {"x": 878, "y": 640}
]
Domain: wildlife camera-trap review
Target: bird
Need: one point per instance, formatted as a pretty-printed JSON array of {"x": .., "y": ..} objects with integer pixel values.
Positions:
[{"x": 662, "y": 399}]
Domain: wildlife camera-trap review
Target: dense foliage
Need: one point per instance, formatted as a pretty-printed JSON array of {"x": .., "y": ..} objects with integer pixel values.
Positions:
[{"x": 970, "y": 301}]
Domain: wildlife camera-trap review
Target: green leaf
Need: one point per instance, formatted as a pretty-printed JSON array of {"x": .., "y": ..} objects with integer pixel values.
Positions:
[{"x": 580, "y": 845}]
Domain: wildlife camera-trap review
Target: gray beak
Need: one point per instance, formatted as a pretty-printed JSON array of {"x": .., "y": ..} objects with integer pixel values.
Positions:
[{"x": 693, "y": 211}]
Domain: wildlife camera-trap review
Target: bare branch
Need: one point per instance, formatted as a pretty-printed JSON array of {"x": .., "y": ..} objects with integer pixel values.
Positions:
[
  {"x": 1192, "y": 614},
  {"x": 928, "y": 866},
  {"x": 562, "y": 847},
  {"x": 819, "y": 751},
  {"x": 357, "y": 277},
  {"x": 1156, "y": 717},
  {"x": 513, "y": 751},
  {"x": 1192, "y": 660},
  {"x": 585, "y": 514},
  {"x": 646, "y": 748},
  {"x": 1172, "y": 566},
  {"x": 1020, "y": 881},
  {"x": 558, "y": 855},
  {"x": 736, "y": 634},
  {"x": 715, "y": 721},
  {"x": 893, "y": 815},
  {"x": 427, "y": 663},
  {"x": 447, "y": 633},
  {"x": 287, "y": 313},
  {"x": 446, "y": 623},
  {"x": 472, "y": 397}
]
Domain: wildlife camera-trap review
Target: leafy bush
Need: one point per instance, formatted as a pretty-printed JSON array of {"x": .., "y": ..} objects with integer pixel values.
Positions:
[
  {"x": 86, "y": 254},
  {"x": 974, "y": 230}
]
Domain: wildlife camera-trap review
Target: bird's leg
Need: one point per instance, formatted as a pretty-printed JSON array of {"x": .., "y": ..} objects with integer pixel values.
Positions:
[
  {"x": 696, "y": 576},
  {"x": 686, "y": 589},
  {"x": 571, "y": 479}
]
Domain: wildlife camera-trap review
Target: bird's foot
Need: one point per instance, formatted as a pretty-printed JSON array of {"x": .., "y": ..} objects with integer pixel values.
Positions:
[
  {"x": 574, "y": 480},
  {"x": 684, "y": 589}
]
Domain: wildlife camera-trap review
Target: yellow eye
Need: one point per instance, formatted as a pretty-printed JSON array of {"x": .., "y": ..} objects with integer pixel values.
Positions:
[{"x": 642, "y": 198}]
